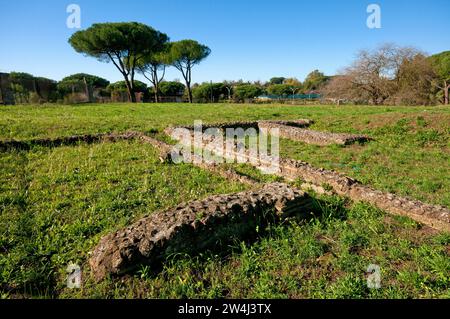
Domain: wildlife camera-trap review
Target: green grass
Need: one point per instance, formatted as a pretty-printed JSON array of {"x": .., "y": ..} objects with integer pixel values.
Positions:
[
  {"x": 404, "y": 159},
  {"x": 55, "y": 204},
  {"x": 324, "y": 258}
]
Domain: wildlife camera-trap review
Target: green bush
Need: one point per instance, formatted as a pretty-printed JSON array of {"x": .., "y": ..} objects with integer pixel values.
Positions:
[
  {"x": 247, "y": 91},
  {"x": 204, "y": 92},
  {"x": 171, "y": 88}
]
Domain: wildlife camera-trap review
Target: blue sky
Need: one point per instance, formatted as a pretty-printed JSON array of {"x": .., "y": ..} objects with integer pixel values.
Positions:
[{"x": 249, "y": 39}]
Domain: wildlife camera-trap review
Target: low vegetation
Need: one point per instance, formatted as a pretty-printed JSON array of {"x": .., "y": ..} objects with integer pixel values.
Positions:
[{"x": 57, "y": 202}]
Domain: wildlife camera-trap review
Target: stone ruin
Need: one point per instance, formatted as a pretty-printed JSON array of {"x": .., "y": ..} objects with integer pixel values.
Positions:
[
  {"x": 436, "y": 216},
  {"x": 296, "y": 133},
  {"x": 205, "y": 224},
  {"x": 66, "y": 140},
  {"x": 195, "y": 226},
  {"x": 165, "y": 156},
  {"x": 290, "y": 129},
  {"x": 253, "y": 124}
]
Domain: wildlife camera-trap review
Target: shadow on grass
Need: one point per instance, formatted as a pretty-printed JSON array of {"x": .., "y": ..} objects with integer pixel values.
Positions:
[{"x": 11, "y": 145}]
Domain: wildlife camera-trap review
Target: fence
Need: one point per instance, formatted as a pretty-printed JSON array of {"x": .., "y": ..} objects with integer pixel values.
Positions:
[{"x": 311, "y": 96}]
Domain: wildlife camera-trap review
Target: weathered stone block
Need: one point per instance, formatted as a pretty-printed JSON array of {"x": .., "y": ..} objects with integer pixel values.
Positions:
[
  {"x": 435, "y": 216},
  {"x": 194, "y": 226},
  {"x": 308, "y": 136}
]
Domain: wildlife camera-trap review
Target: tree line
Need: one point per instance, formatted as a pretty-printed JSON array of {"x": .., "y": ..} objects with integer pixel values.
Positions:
[
  {"x": 240, "y": 91},
  {"x": 388, "y": 74},
  {"x": 137, "y": 48},
  {"x": 82, "y": 88}
]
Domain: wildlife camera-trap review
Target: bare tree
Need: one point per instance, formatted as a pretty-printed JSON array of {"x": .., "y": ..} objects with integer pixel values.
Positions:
[
  {"x": 373, "y": 77},
  {"x": 340, "y": 87}
]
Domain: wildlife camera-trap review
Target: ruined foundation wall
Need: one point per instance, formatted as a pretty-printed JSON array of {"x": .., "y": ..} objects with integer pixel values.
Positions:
[
  {"x": 312, "y": 137},
  {"x": 290, "y": 129},
  {"x": 165, "y": 151},
  {"x": 224, "y": 125},
  {"x": 294, "y": 123},
  {"x": 435, "y": 216},
  {"x": 194, "y": 226},
  {"x": 66, "y": 140}
]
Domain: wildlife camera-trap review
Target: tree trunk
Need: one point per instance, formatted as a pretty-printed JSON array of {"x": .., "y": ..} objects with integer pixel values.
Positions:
[
  {"x": 130, "y": 89},
  {"x": 188, "y": 74},
  {"x": 156, "y": 95},
  {"x": 446, "y": 96},
  {"x": 446, "y": 88},
  {"x": 35, "y": 86},
  {"x": 155, "y": 82},
  {"x": 86, "y": 90},
  {"x": 187, "y": 79},
  {"x": 188, "y": 87},
  {"x": 133, "y": 97},
  {"x": 121, "y": 68},
  {"x": 189, "y": 93}
]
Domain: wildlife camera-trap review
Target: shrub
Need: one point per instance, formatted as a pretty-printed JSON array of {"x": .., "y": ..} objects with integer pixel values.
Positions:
[
  {"x": 202, "y": 93},
  {"x": 247, "y": 91},
  {"x": 171, "y": 88}
]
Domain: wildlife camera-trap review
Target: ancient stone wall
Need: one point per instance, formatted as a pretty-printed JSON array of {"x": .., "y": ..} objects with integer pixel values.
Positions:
[
  {"x": 222, "y": 125},
  {"x": 294, "y": 123},
  {"x": 247, "y": 124},
  {"x": 435, "y": 216},
  {"x": 210, "y": 223},
  {"x": 165, "y": 151},
  {"x": 290, "y": 129},
  {"x": 312, "y": 137},
  {"x": 65, "y": 140}
]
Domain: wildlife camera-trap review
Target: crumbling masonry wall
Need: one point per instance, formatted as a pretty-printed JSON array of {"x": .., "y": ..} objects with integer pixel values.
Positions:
[
  {"x": 194, "y": 226},
  {"x": 165, "y": 151},
  {"x": 312, "y": 137},
  {"x": 290, "y": 129},
  {"x": 253, "y": 124},
  {"x": 435, "y": 216},
  {"x": 212, "y": 222}
]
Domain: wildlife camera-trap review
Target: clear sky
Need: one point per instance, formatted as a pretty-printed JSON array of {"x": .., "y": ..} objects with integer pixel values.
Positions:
[{"x": 249, "y": 39}]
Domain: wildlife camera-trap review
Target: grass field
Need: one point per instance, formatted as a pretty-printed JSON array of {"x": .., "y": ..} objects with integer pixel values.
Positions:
[{"x": 56, "y": 203}]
